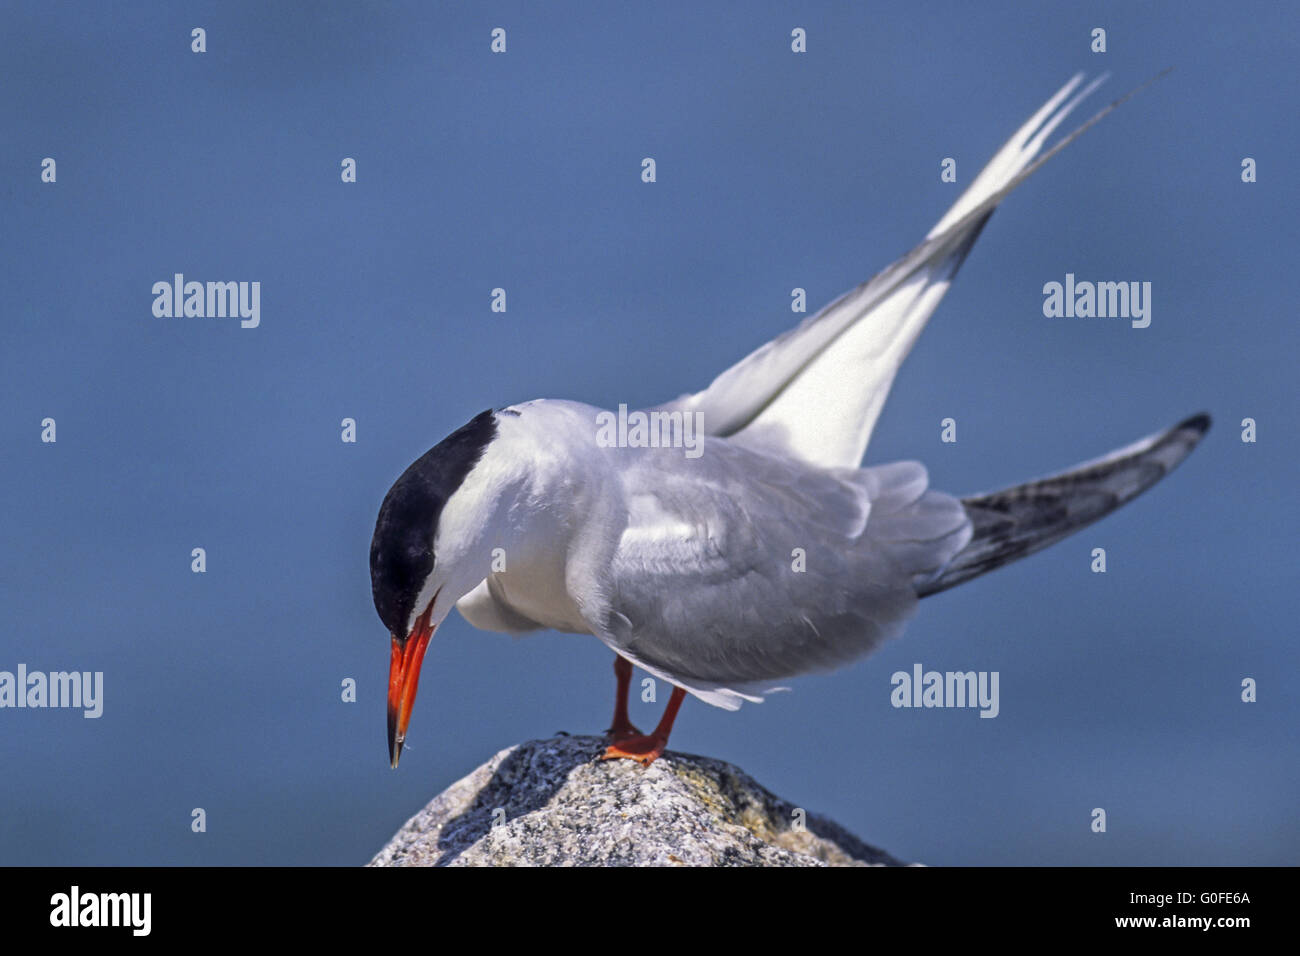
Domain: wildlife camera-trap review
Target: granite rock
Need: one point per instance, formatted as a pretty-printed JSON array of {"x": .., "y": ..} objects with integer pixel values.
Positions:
[{"x": 554, "y": 803}]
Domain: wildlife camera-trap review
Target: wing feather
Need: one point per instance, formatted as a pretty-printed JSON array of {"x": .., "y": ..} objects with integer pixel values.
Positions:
[
  {"x": 1015, "y": 522},
  {"x": 739, "y": 569},
  {"x": 816, "y": 391}
]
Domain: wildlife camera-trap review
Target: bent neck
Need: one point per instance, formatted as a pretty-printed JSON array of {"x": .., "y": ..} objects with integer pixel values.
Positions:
[{"x": 537, "y": 488}]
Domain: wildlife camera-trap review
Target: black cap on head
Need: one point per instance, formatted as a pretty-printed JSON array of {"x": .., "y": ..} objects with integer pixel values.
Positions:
[{"x": 401, "y": 552}]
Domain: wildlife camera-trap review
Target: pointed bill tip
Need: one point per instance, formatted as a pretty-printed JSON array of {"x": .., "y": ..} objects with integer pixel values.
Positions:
[
  {"x": 404, "y": 681},
  {"x": 395, "y": 740}
]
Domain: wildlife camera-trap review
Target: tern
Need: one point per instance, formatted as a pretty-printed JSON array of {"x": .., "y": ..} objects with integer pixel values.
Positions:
[{"x": 528, "y": 517}]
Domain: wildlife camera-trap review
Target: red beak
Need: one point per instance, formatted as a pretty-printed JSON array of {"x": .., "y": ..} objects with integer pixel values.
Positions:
[{"x": 404, "y": 680}]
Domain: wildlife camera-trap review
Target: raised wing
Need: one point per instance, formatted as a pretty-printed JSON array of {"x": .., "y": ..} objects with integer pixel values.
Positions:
[{"x": 816, "y": 391}]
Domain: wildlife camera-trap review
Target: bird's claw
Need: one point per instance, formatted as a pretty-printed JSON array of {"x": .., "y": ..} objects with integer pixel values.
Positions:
[{"x": 645, "y": 750}]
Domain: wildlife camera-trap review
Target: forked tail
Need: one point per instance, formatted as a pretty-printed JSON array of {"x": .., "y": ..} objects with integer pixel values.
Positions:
[{"x": 1014, "y": 522}]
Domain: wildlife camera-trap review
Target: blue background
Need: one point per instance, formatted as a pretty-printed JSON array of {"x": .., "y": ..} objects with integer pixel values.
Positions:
[{"x": 775, "y": 170}]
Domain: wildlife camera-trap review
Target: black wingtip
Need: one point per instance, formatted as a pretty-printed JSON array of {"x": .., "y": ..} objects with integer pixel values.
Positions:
[{"x": 1197, "y": 423}]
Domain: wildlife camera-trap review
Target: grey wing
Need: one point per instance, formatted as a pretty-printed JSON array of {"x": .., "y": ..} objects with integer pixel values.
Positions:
[
  {"x": 1015, "y": 522},
  {"x": 738, "y": 569}
]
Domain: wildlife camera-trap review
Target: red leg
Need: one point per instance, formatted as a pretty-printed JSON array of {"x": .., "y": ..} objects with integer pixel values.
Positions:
[
  {"x": 645, "y": 750},
  {"x": 622, "y": 728}
]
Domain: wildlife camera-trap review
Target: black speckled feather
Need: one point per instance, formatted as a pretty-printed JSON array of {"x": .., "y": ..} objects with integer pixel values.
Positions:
[{"x": 1015, "y": 522}]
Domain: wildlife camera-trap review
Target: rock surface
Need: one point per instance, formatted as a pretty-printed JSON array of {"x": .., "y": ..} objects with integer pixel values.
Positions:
[{"x": 552, "y": 802}]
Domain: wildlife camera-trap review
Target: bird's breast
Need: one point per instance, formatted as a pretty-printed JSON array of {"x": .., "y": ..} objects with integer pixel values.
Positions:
[{"x": 536, "y": 588}]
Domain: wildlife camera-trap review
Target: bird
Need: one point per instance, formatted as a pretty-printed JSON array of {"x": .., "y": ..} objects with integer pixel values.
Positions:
[{"x": 676, "y": 553}]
